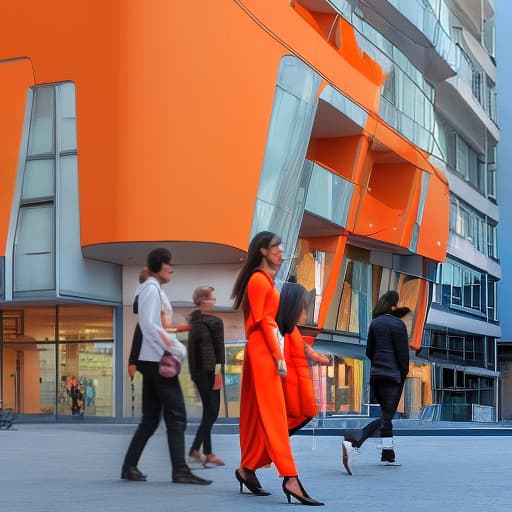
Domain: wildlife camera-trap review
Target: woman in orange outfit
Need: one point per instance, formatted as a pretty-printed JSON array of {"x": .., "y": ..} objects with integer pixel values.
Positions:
[
  {"x": 297, "y": 386},
  {"x": 263, "y": 422}
]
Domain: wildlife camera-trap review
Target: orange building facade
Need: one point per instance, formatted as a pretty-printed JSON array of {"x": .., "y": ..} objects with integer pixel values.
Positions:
[{"x": 128, "y": 125}]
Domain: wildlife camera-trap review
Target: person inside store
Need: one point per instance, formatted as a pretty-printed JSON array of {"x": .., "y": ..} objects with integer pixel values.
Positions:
[
  {"x": 298, "y": 390},
  {"x": 161, "y": 395},
  {"x": 387, "y": 349},
  {"x": 263, "y": 418},
  {"x": 206, "y": 361}
]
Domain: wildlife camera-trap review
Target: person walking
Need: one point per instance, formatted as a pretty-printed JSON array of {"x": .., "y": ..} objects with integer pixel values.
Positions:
[
  {"x": 298, "y": 390},
  {"x": 159, "y": 394},
  {"x": 263, "y": 420},
  {"x": 137, "y": 333},
  {"x": 388, "y": 351},
  {"x": 206, "y": 361}
]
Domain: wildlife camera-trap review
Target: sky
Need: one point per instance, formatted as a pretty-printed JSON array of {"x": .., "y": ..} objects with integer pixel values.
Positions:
[{"x": 504, "y": 162}]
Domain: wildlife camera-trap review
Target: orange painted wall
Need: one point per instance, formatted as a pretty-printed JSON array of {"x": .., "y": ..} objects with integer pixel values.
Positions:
[
  {"x": 174, "y": 102},
  {"x": 15, "y": 79},
  {"x": 435, "y": 222},
  {"x": 340, "y": 154},
  {"x": 385, "y": 203}
]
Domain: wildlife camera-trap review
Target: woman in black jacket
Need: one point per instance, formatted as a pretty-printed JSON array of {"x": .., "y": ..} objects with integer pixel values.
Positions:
[
  {"x": 206, "y": 359},
  {"x": 388, "y": 351}
]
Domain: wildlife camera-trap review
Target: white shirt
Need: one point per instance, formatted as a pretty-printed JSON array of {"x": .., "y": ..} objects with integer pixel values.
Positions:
[{"x": 152, "y": 301}]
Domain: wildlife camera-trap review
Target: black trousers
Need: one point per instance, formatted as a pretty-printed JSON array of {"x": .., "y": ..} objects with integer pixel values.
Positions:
[
  {"x": 387, "y": 392},
  {"x": 160, "y": 395},
  {"x": 210, "y": 399}
]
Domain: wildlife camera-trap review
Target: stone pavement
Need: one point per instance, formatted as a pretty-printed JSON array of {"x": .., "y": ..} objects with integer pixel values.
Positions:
[{"x": 75, "y": 467}]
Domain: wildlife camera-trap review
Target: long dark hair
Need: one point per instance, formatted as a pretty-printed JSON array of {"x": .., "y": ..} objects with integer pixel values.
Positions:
[
  {"x": 291, "y": 304},
  {"x": 260, "y": 241},
  {"x": 386, "y": 303}
]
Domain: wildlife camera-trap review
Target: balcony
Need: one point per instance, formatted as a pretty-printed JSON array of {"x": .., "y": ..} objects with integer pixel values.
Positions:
[
  {"x": 418, "y": 31},
  {"x": 472, "y": 12}
]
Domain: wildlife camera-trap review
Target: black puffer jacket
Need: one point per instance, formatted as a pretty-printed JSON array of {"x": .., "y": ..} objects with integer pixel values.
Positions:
[
  {"x": 205, "y": 343},
  {"x": 387, "y": 348}
]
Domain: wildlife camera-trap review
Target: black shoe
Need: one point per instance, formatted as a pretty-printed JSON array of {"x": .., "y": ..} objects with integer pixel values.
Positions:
[
  {"x": 133, "y": 473},
  {"x": 187, "y": 477},
  {"x": 305, "y": 499},
  {"x": 388, "y": 455},
  {"x": 251, "y": 482}
]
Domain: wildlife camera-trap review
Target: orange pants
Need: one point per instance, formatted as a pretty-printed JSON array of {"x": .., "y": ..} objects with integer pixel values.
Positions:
[{"x": 263, "y": 423}]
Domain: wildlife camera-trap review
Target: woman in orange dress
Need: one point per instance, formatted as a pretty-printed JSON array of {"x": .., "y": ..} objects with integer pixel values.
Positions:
[
  {"x": 263, "y": 421},
  {"x": 298, "y": 390}
]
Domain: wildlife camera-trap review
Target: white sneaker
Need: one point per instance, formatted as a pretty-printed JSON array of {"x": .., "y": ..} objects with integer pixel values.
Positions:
[{"x": 347, "y": 454}]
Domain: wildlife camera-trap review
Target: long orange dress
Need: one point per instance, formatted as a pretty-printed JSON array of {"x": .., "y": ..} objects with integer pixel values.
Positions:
[
  {"x": 263, "y": 424},
  {"x": 297, "y": 386}
]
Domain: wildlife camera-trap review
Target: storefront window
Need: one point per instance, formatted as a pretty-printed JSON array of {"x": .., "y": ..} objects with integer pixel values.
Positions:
[
  {"x": 85, "y": 379},
  {"x": 47, "y": 374},
  {"x": 85, "y": 323},
  {"x": 310, "y": 268},
  {"x": 339, "y": 387}
]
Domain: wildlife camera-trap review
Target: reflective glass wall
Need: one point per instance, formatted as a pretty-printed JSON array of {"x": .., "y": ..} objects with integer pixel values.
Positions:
[{"x": 58, "y": 360}]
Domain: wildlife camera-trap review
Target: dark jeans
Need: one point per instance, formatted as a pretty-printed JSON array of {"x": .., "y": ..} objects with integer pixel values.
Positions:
[
  {"x": 210, "y": 399},
  {"x": 387, "y": 392},
  {"x": 160, "y": 394}
]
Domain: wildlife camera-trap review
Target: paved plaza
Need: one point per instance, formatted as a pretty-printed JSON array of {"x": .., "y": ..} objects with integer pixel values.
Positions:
[{"x": 75, "y": 467}]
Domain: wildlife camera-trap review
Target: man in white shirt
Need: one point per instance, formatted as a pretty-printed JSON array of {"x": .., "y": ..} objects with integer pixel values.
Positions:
[{"x": 159, "y": 393}]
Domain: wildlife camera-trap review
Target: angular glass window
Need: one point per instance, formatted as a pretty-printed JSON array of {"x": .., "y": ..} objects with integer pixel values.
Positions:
[
  {"x": 42, "y": 126},
  {"x": 67, "y": 115},
  {"x": 34, "y": 261},
  {"x": 39, "y": 179}
]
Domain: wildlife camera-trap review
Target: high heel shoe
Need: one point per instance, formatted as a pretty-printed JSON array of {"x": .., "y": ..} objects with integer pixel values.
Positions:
[
  {"x": 305, "y": 499},
  {"x": 252, "y": 483}
]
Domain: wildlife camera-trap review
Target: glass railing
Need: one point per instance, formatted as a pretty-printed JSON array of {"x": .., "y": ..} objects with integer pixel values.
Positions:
[
  {"x": 329, "y": 195},
  {"x": 412, "y": 114},
  {"x": 475, "y": 78},
  {"x": 433, "y": 21},
  {"x": 344, "y": 7}
]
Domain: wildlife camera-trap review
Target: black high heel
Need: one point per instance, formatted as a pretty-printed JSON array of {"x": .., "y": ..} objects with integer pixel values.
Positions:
[
  {"x": 252, "y": 483},
  {"x": 305, "y": 499}
]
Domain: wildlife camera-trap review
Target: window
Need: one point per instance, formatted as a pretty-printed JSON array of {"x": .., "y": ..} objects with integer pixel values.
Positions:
[
  {"x": 460, "y": 286},
  {"x": 51, "y": 135},
  {"x": 492, "y": 250},
  {"x": 473, "y": 226},
  {"x": 35, "y": 241},
  {"x": 456, "y": 286},
  {"x": 491, "y": 172},
  {"x": 492, "y": 313}
]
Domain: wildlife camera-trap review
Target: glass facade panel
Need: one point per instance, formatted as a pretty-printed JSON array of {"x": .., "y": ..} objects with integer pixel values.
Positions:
[
  {"x": 38, "y": 179},
  {"x": 42, "y": 127},
  {"x": 34, "y": 261},
  {"x": 85, "y": 323},
  {"x": 329, "y": 195},
  {"x": 42, "y": 375},
  {"x": 85, "y": 377},
  {"x": 66, "y": 99},
  {"x": 28, "y": 377},
  {"x": 29, "y": 324},
  {"x": 311, "y": 266},
  {"x": 285, "y": 176},
  {"x": 339, "y": 387}
]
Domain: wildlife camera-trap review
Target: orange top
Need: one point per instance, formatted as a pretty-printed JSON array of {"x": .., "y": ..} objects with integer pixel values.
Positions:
[
  {"x": 297, "y": 386},
  {"x": 263, "y": 303}
]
